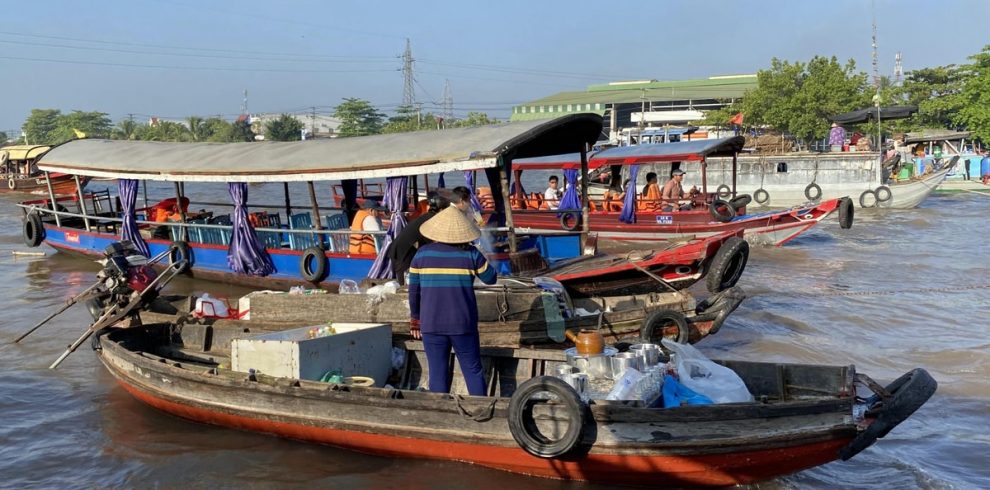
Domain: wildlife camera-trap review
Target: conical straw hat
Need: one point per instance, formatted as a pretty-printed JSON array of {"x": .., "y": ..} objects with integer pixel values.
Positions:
[{"x": 450, "y": 226}]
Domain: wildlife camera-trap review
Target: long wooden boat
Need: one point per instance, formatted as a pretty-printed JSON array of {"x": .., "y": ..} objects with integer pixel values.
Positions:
[
  {"x": 20, "y": 174},
  {"x": 804, "y": 416},
  {"x": 711, "y": 211}
]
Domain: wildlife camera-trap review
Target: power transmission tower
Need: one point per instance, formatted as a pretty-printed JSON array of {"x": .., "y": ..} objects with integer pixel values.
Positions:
[
  {"x": 244, "y": 107},
  {"x": 448, "y": 102},
  {"x": 898, "y": 69},
  {"x": 876, "y": 60},
  {"x": 408, "y": 91},
  {"x": 312, "y": 121}
]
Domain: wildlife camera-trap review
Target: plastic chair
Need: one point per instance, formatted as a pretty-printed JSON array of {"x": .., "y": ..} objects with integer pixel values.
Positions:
[
  {"x": 338, "y": 242},
  {"x": 301, "y": 221}
]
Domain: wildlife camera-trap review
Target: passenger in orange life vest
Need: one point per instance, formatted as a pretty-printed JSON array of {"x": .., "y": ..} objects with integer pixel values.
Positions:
[
  {"x": 368, "y": 218},
  {"x": 651, "y": 193},
  {"x": 673, "y": 192}
]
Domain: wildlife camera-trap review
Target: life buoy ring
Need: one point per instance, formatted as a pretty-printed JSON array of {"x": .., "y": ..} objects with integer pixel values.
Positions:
[
  {"x": 11, "y": 183},
  {"x": 728, "y": 264},
  {"x": 883, "y": 194},
  {"x": 813, "y": 192},
  {"x": 313, "y": 264},
  {"x": 761, "y": 196},
  {"x": 907, "y": 394},
  {"x": 570, "y": 221},
  {"x": 3, "y": 157},
  {"x": 723, "y": 191},
  {"x": 863, "y": 201},
  {"x": 179, "y": 252},
  {"x": 34, "y": 231},
  {"x": 741, "y": 201},
  {"x": 523, "y": 426},
  {"x": 846, "y": 213},
  {"x": 722, "y": 211},
  {"x": 655, "y": 327}
]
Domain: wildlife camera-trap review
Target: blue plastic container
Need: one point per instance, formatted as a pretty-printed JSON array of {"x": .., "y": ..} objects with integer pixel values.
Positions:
[
  {"x": 984, "y": 166},
  {"x": 921, "y": 167}
]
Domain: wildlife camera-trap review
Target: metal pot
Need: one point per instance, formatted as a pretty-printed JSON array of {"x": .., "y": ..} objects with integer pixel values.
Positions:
[
  {"x": 595, "y": 365},
  {"x": 623, "y": 361},
  {"x": 649, "y": 352}
]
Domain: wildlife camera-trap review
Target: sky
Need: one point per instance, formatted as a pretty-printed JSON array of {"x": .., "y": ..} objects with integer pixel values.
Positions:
[{"x": 176, "y": 58}]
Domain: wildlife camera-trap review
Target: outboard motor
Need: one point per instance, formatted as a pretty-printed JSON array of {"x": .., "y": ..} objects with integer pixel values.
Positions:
[{"x": 125, "y": 271}]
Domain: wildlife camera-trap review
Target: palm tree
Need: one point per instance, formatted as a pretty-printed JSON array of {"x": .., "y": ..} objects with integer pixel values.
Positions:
[
  {"x": 196, "y": 128},
  {"x": 125, "y": 130}
]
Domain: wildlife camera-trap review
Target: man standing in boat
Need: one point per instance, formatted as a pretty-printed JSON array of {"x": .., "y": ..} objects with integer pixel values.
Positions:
[{"x": 442, "y": 304}]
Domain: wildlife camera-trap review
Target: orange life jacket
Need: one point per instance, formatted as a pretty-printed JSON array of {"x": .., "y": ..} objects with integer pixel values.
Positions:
[
  {"x": 361, "y": 243},
  {"x": 652, "y": 201}
]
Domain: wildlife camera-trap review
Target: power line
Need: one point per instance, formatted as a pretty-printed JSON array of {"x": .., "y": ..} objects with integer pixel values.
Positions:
[{"x": 194, "y": 68}]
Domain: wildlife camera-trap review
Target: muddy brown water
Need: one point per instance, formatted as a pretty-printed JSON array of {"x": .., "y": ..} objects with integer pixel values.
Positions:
[{"x": 814, "y": 301}]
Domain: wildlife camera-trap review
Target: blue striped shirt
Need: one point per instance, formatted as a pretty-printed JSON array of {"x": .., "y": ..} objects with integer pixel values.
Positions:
[{"x": 441, "y": 288}]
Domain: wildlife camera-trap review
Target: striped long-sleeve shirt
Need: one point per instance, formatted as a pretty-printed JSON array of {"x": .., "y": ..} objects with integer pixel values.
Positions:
[{"x": 441, "y": 288}]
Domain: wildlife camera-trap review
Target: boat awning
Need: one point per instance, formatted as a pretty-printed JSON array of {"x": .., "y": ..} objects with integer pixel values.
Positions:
[
  {"x": 385, "y": 155},
  {"x": 553, "y": 162},
  {"x": 936, "y": 135},
  {"x": 870, "y": 114},
  {"x": 24, "y": 152},
  {"x": 630, "y": 155}
]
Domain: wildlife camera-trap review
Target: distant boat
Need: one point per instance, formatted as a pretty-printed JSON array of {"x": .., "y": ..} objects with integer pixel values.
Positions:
[{"x": 21, "y": 174}]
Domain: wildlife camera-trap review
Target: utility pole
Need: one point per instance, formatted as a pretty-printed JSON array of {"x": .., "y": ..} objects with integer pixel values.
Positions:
[
  {"x": 448, "y": 102},
  {"x": 408, "y": 91},
  {"x": 312, "y": 121},
  {"x": 898, "y": 69},
  {"x": 244, "y": 105}
]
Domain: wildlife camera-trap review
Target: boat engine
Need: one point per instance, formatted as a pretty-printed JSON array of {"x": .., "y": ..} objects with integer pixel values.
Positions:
[{"x": 125, "y": 272}]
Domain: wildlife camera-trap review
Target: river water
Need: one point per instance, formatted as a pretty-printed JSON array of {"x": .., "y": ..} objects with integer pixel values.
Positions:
[{"x": 900, "y": 289}]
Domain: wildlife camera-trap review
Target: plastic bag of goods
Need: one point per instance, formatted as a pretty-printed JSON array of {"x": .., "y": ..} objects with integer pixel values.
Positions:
[
  {"x": 210, "y": 307},
  {"x": 700, "y": 374},
  {"x": 348, "y": 286}
]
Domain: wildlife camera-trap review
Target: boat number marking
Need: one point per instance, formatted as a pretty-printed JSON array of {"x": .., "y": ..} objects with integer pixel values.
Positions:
[
  {"x": 72, "y": 237},
  {"x": 665, "y": 220}
]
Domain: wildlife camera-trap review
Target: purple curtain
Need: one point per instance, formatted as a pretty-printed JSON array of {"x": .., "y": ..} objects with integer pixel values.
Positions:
[
  {"x": 628, "y": 214},
  {"x": 246, "y": 254},
  {"x": 127, "y": 189},
  {"x": 395, "y": 191},
  {"x": 469, "y": 178},
  {"x": 570, "y": 198},
  {"x": 440, "y": 182}
]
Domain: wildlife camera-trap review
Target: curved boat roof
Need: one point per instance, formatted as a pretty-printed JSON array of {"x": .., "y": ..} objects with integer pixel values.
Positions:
[
  {"x": 385, "y": 155},
  {"x": 630, "y": 155},
  {"x": 24, "y": 152}
]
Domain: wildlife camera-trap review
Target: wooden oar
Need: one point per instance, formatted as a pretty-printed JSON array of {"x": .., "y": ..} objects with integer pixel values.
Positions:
[{"x": 75, "y": 299}]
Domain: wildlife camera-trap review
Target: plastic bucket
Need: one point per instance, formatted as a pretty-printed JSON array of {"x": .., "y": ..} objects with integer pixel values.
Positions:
[{"x": 904, "y": 174}]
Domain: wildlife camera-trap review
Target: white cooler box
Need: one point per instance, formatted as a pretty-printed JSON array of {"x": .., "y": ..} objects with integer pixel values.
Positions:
[{"x": 357, "y": 349}]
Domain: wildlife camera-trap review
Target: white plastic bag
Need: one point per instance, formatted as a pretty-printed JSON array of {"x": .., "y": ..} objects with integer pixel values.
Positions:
[{"x": 700, "y": 374}]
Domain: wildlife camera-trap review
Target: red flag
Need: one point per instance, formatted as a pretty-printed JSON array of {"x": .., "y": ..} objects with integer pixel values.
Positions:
[{"x": 737, "y": 119}]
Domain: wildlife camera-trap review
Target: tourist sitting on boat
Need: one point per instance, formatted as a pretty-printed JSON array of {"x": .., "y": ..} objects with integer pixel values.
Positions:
[
  {"x": 368, "y": 218},
  {"x": 651, "y": 193},
  {"x": 614, "y": 197},
  {"x": 401, "y": 251},
  {"x": 673, "y": 192},
  {"x": 442, "y": 305},
  {"x": 551, "y": 196}
]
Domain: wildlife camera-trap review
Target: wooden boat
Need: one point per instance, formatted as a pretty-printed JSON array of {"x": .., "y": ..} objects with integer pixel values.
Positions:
[
  {"x": 709, "y": 213},
  {"x": 804, "y": 416},
  {"x": 20, "y": 172}
]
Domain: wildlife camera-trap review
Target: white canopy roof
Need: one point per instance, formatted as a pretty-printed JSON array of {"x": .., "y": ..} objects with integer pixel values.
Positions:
[{"x": 386, "y": 155}]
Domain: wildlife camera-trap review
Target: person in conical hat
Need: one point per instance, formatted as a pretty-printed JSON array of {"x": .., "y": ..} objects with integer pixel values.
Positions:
[{"x": 442, "y": 305}]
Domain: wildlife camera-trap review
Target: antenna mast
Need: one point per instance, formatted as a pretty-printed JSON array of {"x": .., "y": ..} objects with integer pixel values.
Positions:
[
  {"x": 898, "y": 69},
  {"x": 244, "y": 106}
]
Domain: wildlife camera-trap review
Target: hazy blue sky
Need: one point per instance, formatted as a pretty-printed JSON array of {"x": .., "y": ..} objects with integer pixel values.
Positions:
[{"x": 187, "y": 57}]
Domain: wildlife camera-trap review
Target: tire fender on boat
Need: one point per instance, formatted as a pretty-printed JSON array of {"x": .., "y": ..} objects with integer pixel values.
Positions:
[
  {"x": 11, "y": 183},
  {"x": 907, "y": 394},
  {"x": 722, "y": 211},
  {"x": 318, "y": 271},
  {"x": 570, "y": 221},
  {"x": 847, "y": 212},
  {"x": 883, "y": 194},
  {"x": 761, "y": 196},
  {"x": 741, "y": 201},
  {"x": 863, "y": 196},
  {"x": 728, "y": 264},
  {"x": 813, "y": 192},
  {"x": 656, "y": 323},
  {"x": 34, "y": 231},
  {"x": 179, "y": 251},
  {"x": 723, "y": 191},
  {"x": 523, "y": 425}
]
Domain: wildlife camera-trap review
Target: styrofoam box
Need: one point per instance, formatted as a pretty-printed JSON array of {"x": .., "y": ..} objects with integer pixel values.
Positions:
[{"x": 357, "y": 349}]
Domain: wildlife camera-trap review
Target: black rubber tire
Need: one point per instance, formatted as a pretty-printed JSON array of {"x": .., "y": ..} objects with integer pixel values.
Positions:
[
  {"x": 761, "y": 196},
  {"x": 179, "y": 251},
  {"x": 728, "y": 265},
  {"x": 883, "y": 194},
  {"x": 723, "y": 191},
  {"x": 741, "y": 201},
  {"x": 34, "y": 231},
  {"x": 908, "y": 394},
  {"x": 847, "y": 212},
  {"x": 11, "y": 184},
  {"x": 722, "y": 211},
  {"x": 317, "y": 273},
  {"x": 813, "y": 192},
  {"x": 862, "y": 199},
  {"x": 523, "y": 426},
  {"x": 652, "y": 329},
  {"x": 570, "y": 221}
]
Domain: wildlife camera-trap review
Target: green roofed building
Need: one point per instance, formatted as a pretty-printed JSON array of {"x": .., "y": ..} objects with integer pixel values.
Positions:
[{"x": 623, "y": 103}]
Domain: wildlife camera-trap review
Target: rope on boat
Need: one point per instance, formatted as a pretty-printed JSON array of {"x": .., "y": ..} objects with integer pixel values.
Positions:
[
  {"x": 484, "y": 414},
  {"x": 887, "y": 292}
]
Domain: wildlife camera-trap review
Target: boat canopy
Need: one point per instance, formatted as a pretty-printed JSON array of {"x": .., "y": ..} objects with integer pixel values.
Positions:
[
  {"x": 870, "y": 114},
  {"x": 385, "y": 155},
  {"x": 24, "y": 152},
  {"x": 935, "y": 135},
  {"x": 630, "y": 155}
]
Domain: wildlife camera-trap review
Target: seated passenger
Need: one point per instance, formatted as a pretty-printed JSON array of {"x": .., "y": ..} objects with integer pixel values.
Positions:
[
  {"x": 551, "y": 196},
  {"x": 368, "y": 218},
  {"x": 614, "y": 197},
  {"x": 673, "y": 192},
  {"x": 651, "y": 194}
]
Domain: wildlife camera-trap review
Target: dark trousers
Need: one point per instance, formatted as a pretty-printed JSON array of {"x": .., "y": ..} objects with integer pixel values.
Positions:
[{"x": 468, "y": 351}]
